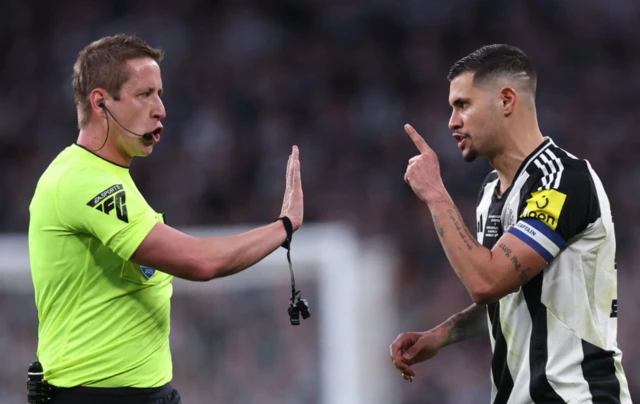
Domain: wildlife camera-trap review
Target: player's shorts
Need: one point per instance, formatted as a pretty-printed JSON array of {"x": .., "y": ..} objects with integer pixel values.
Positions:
[{"x": 124, "y": 395}]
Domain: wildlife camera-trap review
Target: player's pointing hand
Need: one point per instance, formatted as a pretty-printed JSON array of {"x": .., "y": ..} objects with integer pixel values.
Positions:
[{"x": 423, "y": 170}]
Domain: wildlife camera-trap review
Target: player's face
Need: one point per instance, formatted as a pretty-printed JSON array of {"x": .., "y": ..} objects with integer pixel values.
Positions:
[
  {"x": 140, "y": 108},
  {"x": 474, "y": 119}
]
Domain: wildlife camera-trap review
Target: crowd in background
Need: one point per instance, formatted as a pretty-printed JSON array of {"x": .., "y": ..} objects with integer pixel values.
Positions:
[{"x": 244, "y": 80}]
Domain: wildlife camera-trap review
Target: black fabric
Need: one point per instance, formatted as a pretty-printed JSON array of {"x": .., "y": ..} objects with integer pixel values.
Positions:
[
  {"x": 492, "y": 176},
  {"x": 126, "y": 395},
  {"x": 599, "y": 371},
  {"x": 539, "y": 387},
  {"x": 499, "y": 368}
]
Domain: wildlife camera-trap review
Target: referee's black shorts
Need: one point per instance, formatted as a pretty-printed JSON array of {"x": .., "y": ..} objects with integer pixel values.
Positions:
[{"x": 125, "y": 395}]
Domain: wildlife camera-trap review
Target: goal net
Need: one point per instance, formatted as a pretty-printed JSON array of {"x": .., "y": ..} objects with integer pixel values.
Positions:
[{"x": 231, "y": 338}]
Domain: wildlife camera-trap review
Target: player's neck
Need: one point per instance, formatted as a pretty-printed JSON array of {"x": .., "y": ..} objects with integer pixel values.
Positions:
[
  {"x": 514, "y": 151},
  {"x": 93, "y": 138}
]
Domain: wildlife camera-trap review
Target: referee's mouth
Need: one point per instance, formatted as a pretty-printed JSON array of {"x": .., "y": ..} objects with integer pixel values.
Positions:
[{"x": 156, "y": 134}]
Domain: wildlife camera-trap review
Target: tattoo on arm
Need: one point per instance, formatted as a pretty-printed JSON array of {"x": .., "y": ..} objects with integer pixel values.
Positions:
[
  {"x": 505, "y": 249},
  {"x": 524, "y": 275},
  {"x": 439, "y": 228},
  {"x": 466, "y": 324},
  {"x": 464, "y": 233}
]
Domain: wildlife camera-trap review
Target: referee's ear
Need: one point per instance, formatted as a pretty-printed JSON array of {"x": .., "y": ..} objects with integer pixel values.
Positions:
[{"x": 97, "y": 100}]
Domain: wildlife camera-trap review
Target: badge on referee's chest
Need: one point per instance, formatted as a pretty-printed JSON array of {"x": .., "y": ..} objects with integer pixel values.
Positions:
[{"x": 147, "y": 272}]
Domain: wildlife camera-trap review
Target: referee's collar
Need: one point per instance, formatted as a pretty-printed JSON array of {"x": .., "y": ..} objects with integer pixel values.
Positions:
[{"x": 100, "y": 157}]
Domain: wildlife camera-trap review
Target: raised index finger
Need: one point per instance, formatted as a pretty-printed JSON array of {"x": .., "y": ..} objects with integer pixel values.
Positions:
[{"x": 417, "y": 139}]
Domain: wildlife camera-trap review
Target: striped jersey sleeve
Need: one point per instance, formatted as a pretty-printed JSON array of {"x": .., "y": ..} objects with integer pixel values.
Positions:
[{"x": 558, "y": 206}]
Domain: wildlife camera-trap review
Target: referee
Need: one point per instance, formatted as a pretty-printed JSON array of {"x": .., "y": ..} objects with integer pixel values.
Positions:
[{"x": 102, "y": 260}]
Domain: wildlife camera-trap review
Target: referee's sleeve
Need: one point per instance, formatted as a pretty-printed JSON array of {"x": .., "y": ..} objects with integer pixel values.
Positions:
[
  {"x": 105, "y": 206},
  {"x": 555, "y": 211}
]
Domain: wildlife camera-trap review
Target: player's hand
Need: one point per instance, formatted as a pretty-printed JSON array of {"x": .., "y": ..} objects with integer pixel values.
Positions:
[
  {"x": 414, "y": 347},
  {"x": 293, "y": 204},
  {"x": 423, "y": 171}
]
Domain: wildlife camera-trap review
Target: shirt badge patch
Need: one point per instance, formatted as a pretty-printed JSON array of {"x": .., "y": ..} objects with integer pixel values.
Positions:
[
  {"x": 545, "y": 205},
  {"x": 147, "y": 272}
]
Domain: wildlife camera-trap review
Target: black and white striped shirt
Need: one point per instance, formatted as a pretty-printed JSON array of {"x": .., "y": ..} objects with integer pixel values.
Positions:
[{"x": 554, "y": 339}]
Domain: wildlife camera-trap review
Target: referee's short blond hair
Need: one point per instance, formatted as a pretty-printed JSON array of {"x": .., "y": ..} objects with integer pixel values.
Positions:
[{"x": 103, "y": 64}]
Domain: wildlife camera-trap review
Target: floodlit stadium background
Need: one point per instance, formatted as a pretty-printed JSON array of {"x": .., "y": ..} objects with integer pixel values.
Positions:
[{"x": 244, "y": 80}]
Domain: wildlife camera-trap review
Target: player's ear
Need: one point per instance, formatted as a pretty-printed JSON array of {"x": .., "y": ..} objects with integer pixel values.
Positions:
[{"x": 508, "y": 100}]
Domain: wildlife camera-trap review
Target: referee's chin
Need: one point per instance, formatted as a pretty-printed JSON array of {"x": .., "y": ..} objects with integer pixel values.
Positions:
[{"x": 144, "y": 151}]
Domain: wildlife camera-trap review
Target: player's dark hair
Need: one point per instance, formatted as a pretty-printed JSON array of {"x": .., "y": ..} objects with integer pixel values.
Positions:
[
  {"x": 493, "y": 61},
  {"x": 103, "y": 64}
]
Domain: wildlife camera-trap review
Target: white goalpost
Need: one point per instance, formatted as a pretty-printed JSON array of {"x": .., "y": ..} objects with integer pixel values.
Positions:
[{"x": 354, "y": 304}]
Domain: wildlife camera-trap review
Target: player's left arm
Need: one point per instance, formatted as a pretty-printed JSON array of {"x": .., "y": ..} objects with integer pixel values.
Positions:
[{"x": 549, "y": 218}]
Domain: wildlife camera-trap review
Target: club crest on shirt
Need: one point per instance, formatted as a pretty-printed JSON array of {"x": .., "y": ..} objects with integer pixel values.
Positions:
[
  {"x": 147, "y": 272},
  {"x": 509, "y": 219}
]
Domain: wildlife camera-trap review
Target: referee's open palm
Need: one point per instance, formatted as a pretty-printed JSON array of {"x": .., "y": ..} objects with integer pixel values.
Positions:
[{"x": 293, "y": 204}]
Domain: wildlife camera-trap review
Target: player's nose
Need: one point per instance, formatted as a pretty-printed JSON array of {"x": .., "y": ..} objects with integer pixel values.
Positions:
[{"x": 455, "y": 122}]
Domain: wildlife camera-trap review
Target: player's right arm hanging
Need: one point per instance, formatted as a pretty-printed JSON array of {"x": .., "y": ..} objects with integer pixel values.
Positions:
[{"x": 410, "y": 348}]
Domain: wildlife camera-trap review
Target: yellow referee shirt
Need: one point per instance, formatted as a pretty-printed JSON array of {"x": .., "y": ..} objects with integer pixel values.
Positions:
[{"x": 103, "y": 320}]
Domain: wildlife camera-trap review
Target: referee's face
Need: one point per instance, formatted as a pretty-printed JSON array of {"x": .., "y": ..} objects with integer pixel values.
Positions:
[
  {"x": 473, "y": 118},
  {"x": 140, "y": 108}
]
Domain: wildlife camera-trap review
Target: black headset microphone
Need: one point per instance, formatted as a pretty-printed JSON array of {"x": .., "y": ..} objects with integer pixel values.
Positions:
[{"x": 146, "y": 136}]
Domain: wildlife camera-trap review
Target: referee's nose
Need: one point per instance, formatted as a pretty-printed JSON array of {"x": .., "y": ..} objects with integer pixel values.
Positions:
[{"x": 159, "y": 112}]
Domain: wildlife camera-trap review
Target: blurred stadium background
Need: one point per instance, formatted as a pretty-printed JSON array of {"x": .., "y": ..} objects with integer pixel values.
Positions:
[{"x": 244, "y": 80}]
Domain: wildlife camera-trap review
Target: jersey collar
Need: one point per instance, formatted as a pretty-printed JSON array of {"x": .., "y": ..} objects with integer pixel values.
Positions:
[
  {"x": 100, "y": 157},
  {"x": 546, "y": 143}
]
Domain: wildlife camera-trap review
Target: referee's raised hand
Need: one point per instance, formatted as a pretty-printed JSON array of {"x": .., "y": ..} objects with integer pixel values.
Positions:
[{"x": 293, "y": 203}]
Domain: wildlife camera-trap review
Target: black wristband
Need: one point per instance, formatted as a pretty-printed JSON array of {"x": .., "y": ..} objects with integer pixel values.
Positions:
[{"x": 289, "y": 229}]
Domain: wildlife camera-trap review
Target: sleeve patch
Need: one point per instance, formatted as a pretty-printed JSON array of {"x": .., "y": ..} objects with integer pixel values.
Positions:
[
  {"x": 545, "y": 205},
  {"x": 112, "y": 199}
]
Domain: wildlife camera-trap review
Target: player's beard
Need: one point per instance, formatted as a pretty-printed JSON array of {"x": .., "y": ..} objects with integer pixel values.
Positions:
[{"x": 471, "y": 153}]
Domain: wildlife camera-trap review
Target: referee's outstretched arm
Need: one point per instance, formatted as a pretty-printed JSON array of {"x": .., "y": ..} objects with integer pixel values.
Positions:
[
  {"x": 103, "y": 260},
  {"x": 202, "y": 259}
]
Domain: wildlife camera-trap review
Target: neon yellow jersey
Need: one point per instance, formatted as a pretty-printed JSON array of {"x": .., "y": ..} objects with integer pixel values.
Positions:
[{"x": 103, "y": 320}]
